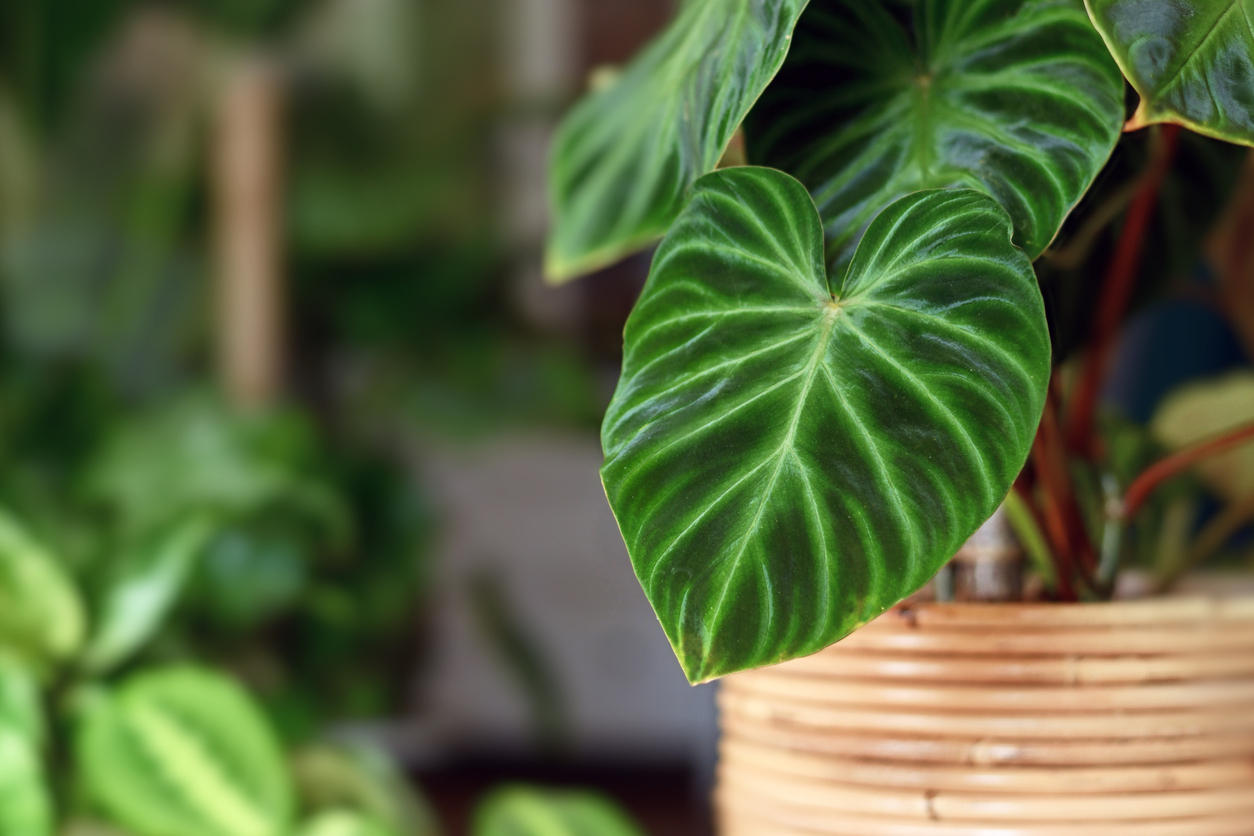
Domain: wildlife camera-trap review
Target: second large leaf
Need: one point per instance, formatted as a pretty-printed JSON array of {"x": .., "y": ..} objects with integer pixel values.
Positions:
[
  {"x": 1191, "y": 61},
  {"x": 1016, "y": 98},
  {"x": 624, "y": 158},
  {"x": 787, "y": 458}
]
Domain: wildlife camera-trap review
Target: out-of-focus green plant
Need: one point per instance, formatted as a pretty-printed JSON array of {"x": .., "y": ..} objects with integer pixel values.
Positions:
[
  {"x": 391, "y": 111},
  {"x": 165, "y": 750},
  {"x": 534, "y": 811},
  {"x": 198, "y": 532},
  {"x": 254, "y": 541},
  {"x": 345, "y": 776}
]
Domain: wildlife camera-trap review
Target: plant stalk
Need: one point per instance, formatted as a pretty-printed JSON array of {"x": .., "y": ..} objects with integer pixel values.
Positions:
[
  {"x": 1155, "y": 475},
  {"x": 1116, "y": 294}
]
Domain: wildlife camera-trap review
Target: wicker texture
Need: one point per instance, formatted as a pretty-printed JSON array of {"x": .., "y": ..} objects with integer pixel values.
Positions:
[{"x": 1002, "y": 720}]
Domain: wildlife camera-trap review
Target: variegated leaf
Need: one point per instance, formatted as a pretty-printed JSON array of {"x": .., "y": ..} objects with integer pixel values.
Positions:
[
  {"x": 624, "y": 158},
  {"x": 184, "y": 751},
  {"x": 1015, "y": 98},
  {"x": 1191, "y": 61},
  {"x": 788, "y": 458}
]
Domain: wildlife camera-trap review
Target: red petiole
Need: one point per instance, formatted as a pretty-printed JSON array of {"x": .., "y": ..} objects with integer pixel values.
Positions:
[
  {"x": 1155, "y": 475},
  {"x": 1116, "y": 293}
]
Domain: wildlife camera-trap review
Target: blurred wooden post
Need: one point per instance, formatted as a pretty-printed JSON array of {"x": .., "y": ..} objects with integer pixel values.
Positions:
[
  {"x": 247, "y": 186},
  {"x": 989, "y": 566}
]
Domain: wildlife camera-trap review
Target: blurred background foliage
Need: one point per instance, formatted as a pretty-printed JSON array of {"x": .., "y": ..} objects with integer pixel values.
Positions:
[
  {"x": 289, "y": 546},
  {"x": 401, "y": 323},
  {"x": 280, "y": 544}
]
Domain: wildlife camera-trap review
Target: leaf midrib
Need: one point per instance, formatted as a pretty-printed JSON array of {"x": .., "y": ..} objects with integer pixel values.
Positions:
[
  {"x": 1175, "y": 73},
  {"x": 831, "y": 313}
]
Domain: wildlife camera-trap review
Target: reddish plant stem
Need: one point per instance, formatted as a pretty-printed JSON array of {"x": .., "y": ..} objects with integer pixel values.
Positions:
[
  {"x": 1153, "y": 476},
  {"x": 1050, "y": 466},
  {"x": 1077, "y": 558},
  {"x": 1087, "y": 559},
  {"x": 1115, "y": 295},
  {"x": 1050, "y": 522}
]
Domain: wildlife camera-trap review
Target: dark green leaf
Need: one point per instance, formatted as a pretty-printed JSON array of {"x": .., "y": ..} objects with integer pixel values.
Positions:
[
  {"x": 786, "y": 462},
  {"x": 624, "y": 158},
  {"x": 1015, "y": 98},
  {"x": 1191, "y": 61},
  {"x": 185, "y": 752},
  {"x": 197, "y": 455},
  {"x": 146, "y": 587},
  {"x": 250, "y": 574},
  {"x": 1203, "y": 176},
  {"x": 532, "y": 811}
]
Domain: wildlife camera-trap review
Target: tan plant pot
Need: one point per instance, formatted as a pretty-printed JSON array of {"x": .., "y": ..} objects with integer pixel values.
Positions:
[{"x": 1002, "y": 720}]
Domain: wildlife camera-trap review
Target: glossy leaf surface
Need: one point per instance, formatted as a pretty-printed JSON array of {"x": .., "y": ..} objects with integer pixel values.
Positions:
[
  {"x": 532, "y": 811},
  {"x": 1015, "y": 98},
  {"x": 185, "y": 752},
  {"x": 786, "y": 462},
  {"x": 41, "y": 615},
  {"x": 1191, "y": 61},
  {"x": 624, "y": 158},
  {"x": 144, "y": 590}
]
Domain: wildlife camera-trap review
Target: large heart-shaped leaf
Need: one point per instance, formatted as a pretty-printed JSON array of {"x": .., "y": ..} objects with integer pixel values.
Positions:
[
  {"x": 625, "y": 156},
  {"x": 1016, "y": 98},
  {"x": 184, "y": 752},
  {"x": 1191, "y": 61},
  {"x": 786, "y": 462}
]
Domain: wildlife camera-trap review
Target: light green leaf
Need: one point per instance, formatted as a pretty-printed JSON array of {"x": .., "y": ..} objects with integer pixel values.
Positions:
[
  {"x": 1204, "y": 409},
  {"x": 1191, "y": 61},
  {"x": 1015, "y": 98},
  {"x": 625, "y": 156},
  {"x": 41, "y": 615},
  {"x": 534, "y": 811},
  {"x": 363, "y": 778},
  {"x": 197, "y": 455},
  {"x": 786, "y": 462},
  {"x": 344, "y": 823},
  {"x": 89, "y": 827},
  {"x": 20, "y": 704},
  {"x": 184, "y": 751},
  {"x": 25, "y": 806},
  {"x": 144, "y": 590}
]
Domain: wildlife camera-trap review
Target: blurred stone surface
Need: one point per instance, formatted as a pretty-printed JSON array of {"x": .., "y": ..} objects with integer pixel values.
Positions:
[{"x": 531, "y": 513}]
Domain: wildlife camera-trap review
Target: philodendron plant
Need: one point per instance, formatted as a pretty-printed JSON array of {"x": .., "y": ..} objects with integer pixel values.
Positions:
[{"x": 838, "y": 363}]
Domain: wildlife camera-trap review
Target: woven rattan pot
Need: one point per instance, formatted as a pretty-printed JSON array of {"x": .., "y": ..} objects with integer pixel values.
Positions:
[{"x": 1002, "y": 720}]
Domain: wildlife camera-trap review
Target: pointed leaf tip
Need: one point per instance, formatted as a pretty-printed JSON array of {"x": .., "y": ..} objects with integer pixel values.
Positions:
[{"x": 785, "y": 466}]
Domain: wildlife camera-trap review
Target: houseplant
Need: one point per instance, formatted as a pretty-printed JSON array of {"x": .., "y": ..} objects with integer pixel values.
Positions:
[
  {"x": 93, "y": 742},
  {"x": 841, "y": 359}
]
